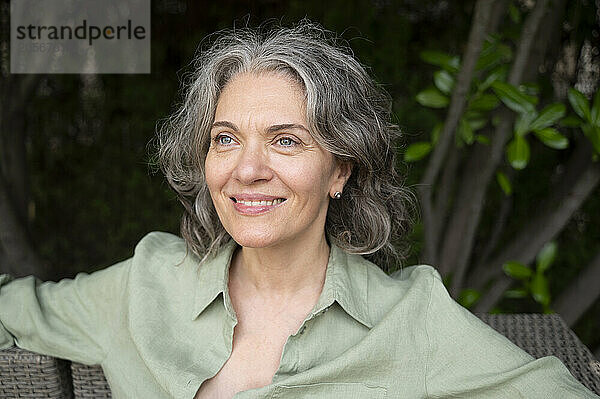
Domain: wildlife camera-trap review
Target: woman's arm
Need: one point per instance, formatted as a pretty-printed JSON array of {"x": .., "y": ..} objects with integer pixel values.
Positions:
[
  {"x": 470, "y": 359},
  {"x": 73, "y": 319}
]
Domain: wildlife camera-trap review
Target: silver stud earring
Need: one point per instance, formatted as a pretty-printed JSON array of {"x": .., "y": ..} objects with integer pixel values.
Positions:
[{"x": 337, "y": 195}]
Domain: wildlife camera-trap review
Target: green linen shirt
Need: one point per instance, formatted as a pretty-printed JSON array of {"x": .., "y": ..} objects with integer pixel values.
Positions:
[{"x": 160, "y": 323}]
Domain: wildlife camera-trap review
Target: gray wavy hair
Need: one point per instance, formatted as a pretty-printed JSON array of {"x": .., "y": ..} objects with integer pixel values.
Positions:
[{"x": 348, "y": 115}]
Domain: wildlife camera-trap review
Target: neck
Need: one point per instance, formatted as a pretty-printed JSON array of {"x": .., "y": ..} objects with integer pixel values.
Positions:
[{"x": 284, "y": 270}]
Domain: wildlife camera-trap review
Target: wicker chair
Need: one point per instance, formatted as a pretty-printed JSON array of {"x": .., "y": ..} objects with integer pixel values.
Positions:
[{"x": 28, "y": 375}]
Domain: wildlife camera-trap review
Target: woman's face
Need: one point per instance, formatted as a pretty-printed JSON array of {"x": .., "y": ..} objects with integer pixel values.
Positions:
[{"x": 268, "y": 178}]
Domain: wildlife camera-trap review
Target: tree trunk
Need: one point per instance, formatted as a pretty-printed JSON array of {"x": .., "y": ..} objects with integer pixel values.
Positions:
[
  {"x": 481, "y": 20},
  {"x": 527, "y": 243},
  {"x": 581, "y": 293},
  {"x": 17, "y": 254},
  {"x": 543, "y": 229},
  {"x": 460, "y": 234}
]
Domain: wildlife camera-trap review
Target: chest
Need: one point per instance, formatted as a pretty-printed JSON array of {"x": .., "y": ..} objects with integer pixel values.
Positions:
[{"x": 256, "y": 352}]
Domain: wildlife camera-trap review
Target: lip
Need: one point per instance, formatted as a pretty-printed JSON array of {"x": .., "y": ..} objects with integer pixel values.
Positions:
[{"x": 254, "y": 210}]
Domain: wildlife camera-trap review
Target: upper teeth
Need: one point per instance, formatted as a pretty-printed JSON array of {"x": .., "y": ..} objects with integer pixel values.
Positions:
[{"x": 263, "y": 203}]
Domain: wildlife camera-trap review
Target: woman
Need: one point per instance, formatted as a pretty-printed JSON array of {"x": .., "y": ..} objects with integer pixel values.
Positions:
[{"x": 282, "y": 157}]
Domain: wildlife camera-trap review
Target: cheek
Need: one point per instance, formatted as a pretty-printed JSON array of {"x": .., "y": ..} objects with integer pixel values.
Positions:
[
  {"x": 215, "y": 176},
  {"x": 308, "y": 178}
]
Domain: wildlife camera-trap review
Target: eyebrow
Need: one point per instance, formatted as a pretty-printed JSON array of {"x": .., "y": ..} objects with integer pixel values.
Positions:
[{"x": 270, "y": 129}]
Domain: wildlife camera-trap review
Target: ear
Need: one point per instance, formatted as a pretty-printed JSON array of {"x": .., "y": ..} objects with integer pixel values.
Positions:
[
  {"x": 345, "y": 170},
  {"x": 342, "y": 174}
]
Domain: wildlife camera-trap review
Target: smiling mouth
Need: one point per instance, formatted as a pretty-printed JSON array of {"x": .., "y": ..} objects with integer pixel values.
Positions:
[{"x": 259, "y": 203}]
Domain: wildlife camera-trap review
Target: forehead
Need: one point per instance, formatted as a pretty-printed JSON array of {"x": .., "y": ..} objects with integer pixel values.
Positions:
[{"x": 270, "y": 95}]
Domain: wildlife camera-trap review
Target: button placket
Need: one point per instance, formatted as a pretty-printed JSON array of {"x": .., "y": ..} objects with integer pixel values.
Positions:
[
  {"x": 321, "y": 312},
  {"x": 289, "y": 358}
]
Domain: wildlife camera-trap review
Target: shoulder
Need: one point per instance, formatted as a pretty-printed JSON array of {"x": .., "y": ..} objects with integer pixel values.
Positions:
[
  {"x": 159, "y": 252},
  {"x": 163, "y": 273},
  {"x": 407, "y": 291},
  {"x": 159, "y": 240},
  {"x": 160, "y": 245},
  {"x": 399, "y": 283},
  {"x": 162, "y": 285}
]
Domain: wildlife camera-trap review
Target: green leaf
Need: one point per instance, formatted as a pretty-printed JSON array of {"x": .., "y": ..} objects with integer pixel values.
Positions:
[
  {"x": 448, "y": 62},
  {"x": 548, "y": 310},
  {"x": 517, "y": 152},
  {"x": 513, "y": 98},
  {"x": 531, "y": 89},
  {"x": 593, "y": 135},
  {"x": 497, "y": 74},
  {"x": 504, "y": 183},
  {"x": 417, "y": 151},
  {"x": 484, "y": 102},
  {"x": 580, "y": 104},
  {"x": 432, "y": 98},
  {"x": 499, "y": 53},
  {"x": 447, "y": 281},
  {"x": 443, "y": 81},
  {"x": 523, "y": 123},
  {"x": 480, "y": 138},
  {"x": 552, "y": 138},
  {"x": 546, "y": 256},
  {"x": 570, "y": 121},
  {"x": 477, "y": 124},
  {"x": 517, "y": 270},
  {"x": 473, "y": 114},
  {"x": 595, "y": 112},
  {"x": 476, "y": 119},
  {"x": 468, "y": 297},
  {"x": 540, "y": 289},
  {"x": 549, "y": 116},
  {"x": 465, "y": 132},
  {"x": 516, "y": 293},
  {"x": 435, "y": 132}
]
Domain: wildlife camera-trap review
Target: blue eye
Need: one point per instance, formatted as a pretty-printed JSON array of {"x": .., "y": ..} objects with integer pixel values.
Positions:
[
  {"x": 287, "y": 141},
  {"x": 222, "y": 139}
]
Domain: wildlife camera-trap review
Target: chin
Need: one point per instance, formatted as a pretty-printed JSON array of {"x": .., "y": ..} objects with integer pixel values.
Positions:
[{"x": 254, "y": 239}]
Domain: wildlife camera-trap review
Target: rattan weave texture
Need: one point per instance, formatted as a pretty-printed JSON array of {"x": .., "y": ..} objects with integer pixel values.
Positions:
[
  {"x": 545, "y": 335},
  {"x": 89, "y": 382},
  {"x": 25, "y": 374}
]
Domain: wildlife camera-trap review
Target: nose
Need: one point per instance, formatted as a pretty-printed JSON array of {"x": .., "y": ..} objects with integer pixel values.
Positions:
[{"x": 252, "y": 164}]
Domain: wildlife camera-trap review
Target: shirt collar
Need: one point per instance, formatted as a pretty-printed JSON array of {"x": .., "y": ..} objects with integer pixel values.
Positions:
[
  {"x": 345, "y": 283},
  {"x": 213, "y": 275}
]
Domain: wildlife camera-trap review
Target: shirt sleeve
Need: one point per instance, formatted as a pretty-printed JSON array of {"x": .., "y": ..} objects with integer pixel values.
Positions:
[
  {"x": 71, "y": 319},
  {"x": 468, "y": 358}
]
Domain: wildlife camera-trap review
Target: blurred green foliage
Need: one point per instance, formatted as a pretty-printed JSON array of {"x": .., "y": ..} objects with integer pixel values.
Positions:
[{"x": 539, "y": 116}]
